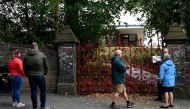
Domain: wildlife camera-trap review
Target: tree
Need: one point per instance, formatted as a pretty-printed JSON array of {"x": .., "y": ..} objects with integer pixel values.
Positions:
[
  {"x": 34, "y": 17},
  {"x": 186, "y": 17},
  {"x": 161, "y": 14},
  {"x": 31, "y": 20},
  {"x": 88, "y": 18}
]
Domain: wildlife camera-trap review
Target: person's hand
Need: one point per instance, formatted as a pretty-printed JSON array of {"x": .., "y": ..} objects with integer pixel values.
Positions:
[
  {"x": 127, "y": 67},
  {"x": 160, "y": 81},
  {"x": 25, "y": 79}
]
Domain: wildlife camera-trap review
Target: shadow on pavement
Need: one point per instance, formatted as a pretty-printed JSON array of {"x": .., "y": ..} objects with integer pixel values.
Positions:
[{"x": 6, "y": 105}]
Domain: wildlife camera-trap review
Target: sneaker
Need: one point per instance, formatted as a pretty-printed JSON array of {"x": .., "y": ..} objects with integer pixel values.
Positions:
[
  {"x": 113, "y": 106},
  {"x": 14, "y": 104},
  {"x": 130, "y": 104},
  {"x": 20, "y": 105}
]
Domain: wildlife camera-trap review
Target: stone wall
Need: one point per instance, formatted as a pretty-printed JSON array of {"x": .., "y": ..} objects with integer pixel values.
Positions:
[
  {"x": 181, "y": 57},
  {"x": 187, "y": 69},
  {"x": 52, "y": 57}
]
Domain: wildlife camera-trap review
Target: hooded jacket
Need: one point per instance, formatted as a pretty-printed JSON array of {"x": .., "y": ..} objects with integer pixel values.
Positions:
[
  {"x": 118, "y": 70},
  {"x": 167, "y": 73},
  {"x": 35, "y": 63}
]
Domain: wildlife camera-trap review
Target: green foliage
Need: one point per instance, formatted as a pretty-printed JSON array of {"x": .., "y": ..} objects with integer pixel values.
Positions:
[
  {"x": 27, "y": 20},
  {"x": 135, "y": 55},
  {"x": 36, "y": 19},
  {"x": 89, "y": 17},
  {"x": 24, "y": 21},
  {"x": 160, "y": 14},
  {"x": 186, "y": 18}
]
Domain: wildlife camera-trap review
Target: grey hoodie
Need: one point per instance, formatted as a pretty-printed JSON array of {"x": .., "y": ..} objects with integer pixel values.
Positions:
[{"x": 35, "y": 63}]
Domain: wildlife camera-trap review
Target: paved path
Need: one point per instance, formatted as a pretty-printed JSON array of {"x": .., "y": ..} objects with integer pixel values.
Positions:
[{"x": 89, "y": 102}]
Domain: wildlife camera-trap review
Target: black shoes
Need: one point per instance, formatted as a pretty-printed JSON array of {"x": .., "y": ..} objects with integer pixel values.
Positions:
[
  {"x": 164, "y": 107},
  {"x": 167, "y": 106},
  {"x": 113, "y": 106},
  {"x": 130, "y": 104},
  {"x": 171, "y": 105}
]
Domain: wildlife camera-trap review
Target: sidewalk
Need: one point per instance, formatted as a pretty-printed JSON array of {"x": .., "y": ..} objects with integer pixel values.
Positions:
[{"x": 55, "y": 101}]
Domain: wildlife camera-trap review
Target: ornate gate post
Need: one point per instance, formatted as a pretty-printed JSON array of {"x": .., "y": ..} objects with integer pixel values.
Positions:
[
  {"x": 177, "y": 42},
  {"x": 66, "y": 43}
]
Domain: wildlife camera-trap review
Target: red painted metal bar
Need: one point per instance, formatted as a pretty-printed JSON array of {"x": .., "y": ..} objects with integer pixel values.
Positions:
[
  {"x": 90, "y": 84},
  {"x": 109, "y": 45},
  {"x": 141, "y": 69},
  {"x": 109, "y": 63},
  {"x": 152, "y": 74},
  {"x": 119, "y": 40},
  {"x": 99, "y": 87},
  {"x": 131, "y": 65},
  {"x": 135, "y": 55},
  {"x": 141, "y": 72}
]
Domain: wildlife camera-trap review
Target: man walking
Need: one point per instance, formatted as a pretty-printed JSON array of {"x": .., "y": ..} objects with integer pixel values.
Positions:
[
  {"x": 36, "y": 69},
  {"x": 118, "y": 69}
]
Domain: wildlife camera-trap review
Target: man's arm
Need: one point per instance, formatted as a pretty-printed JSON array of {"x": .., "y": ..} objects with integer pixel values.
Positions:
[
  {"x": 161, "y": 73},
  {"x": 46, "y": 68},
  {"x": 20, "y": 68},
  {"x": 120, "y": 65},
  {"x": 25, "y": 67}
]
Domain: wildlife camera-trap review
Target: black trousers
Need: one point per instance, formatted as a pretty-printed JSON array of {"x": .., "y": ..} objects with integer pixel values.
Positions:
[
  {"x": 38, "y": 82},
  {"x": 159, "y": 90}
]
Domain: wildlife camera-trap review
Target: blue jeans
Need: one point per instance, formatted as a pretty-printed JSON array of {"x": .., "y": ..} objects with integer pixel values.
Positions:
[
  {"x": 38, "y": 81},
  {"x": 16, "y": 85}
]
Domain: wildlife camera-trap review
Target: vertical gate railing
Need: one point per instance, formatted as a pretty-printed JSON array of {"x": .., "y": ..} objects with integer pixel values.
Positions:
[{"x": 94, "y": 68}]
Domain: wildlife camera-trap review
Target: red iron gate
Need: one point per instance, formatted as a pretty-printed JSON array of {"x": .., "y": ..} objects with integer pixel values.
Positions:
[{"x": 94, "y": 69}]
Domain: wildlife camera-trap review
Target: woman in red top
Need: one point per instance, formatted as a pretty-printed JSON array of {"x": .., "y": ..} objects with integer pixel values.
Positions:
[{"x": 16, "y": 71}]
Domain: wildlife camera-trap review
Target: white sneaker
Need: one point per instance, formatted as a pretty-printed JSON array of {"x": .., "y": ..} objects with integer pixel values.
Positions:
[
  {"x": 20, "y": 105},
  {"x": 14, "y": 104}
]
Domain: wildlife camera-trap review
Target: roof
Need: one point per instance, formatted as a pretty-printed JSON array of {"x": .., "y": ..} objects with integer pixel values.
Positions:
[
  {"x": 131, "y": 29},
  {"x": 175, "y": 33},
  {"x": 66, "y": 35}
]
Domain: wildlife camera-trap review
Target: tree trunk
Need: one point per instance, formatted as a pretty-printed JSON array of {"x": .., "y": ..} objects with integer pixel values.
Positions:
[{"x": 158, "y": 38}]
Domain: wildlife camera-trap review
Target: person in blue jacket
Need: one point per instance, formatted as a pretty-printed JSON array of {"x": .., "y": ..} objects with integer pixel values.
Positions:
[
  {"x": 167, "y": 76},
  {"x": 118, "y": 69}
]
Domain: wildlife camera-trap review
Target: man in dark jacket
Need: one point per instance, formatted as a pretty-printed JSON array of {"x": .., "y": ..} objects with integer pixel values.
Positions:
[
  {"x": 159, "y": 86},
  {"x": 118, "y": 69},
  {"x": 36, "y": 68}
]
